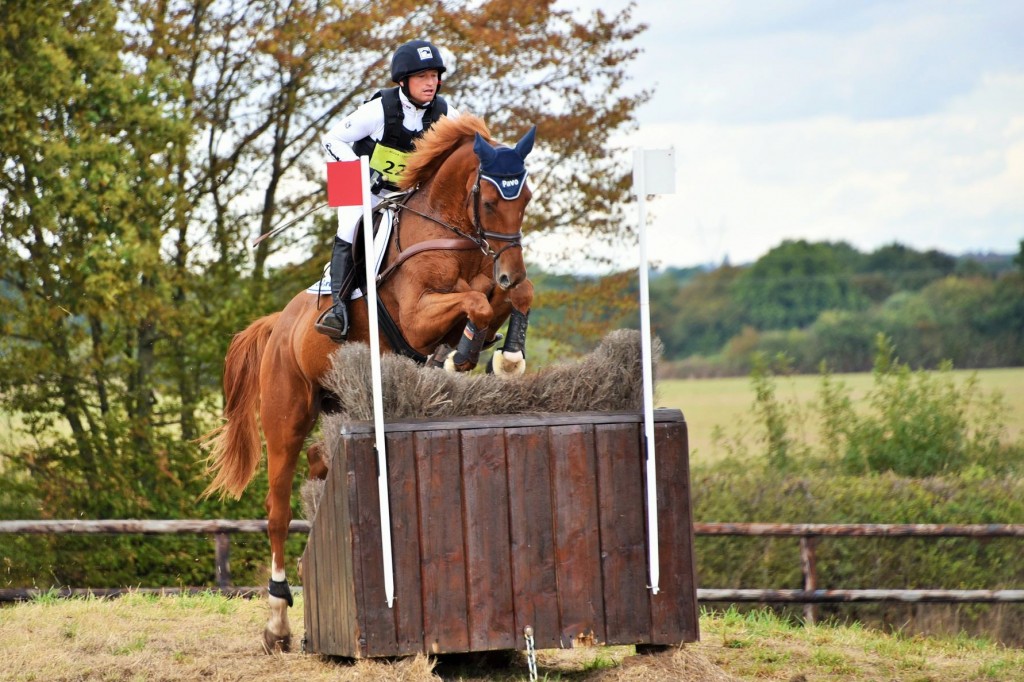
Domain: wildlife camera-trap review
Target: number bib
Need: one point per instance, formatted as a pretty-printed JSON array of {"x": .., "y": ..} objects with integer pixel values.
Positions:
[{"x": 389, "y": 161}]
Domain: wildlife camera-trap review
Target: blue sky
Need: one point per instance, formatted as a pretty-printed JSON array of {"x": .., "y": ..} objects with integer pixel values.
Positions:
[{"x": 867, "y": 122}]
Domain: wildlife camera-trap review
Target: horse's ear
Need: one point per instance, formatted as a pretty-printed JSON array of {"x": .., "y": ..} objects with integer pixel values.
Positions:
[
  {"x": 484, "y": 151},
  {"x": 525, "y": 145}
]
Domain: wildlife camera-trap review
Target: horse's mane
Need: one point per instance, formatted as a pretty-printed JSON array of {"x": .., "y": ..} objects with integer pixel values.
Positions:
[{"x": 437, "y": 143}]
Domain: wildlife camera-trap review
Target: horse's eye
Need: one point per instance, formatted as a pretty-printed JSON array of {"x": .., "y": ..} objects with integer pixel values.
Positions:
[{"x": 490, "y": 207}]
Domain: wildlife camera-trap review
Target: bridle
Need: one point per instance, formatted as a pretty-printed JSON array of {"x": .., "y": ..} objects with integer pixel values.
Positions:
[{"x": 480, "y": 236}]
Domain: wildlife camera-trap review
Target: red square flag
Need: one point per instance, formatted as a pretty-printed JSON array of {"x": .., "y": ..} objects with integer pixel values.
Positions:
[{"x": 344, "y": 183}]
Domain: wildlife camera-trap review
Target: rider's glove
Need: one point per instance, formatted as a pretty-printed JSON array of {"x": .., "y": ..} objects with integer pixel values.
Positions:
[{"x": 376, "y": 181}]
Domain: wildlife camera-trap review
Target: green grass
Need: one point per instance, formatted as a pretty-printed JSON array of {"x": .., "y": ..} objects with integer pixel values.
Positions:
[{"x": 726, "y": 404}]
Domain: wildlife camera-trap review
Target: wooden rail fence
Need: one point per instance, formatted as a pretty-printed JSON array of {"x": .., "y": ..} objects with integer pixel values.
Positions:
[{"x": 807, "y": 533}]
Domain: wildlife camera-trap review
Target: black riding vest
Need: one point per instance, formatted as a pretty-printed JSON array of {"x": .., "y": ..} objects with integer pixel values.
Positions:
[{"x": 396, "y": 136}]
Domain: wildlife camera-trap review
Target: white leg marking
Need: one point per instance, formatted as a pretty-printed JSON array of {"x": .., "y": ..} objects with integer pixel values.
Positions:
[{"x": 276, "y": 574}]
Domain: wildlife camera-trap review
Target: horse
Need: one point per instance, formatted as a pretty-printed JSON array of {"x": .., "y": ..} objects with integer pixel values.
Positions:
[{"x": 452, "y": 275}]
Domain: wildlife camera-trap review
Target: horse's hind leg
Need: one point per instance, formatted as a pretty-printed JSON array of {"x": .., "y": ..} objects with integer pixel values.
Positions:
[
  {"x": 288, "y": 417},
  {"x": 317, "y": 462}
]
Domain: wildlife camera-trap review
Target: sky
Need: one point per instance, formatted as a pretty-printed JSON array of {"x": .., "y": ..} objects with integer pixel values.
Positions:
[{"x": 830, "y": 120}]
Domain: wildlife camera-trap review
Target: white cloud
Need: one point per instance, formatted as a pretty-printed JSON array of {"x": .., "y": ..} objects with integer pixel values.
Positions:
[{"x": 862, "y": 122}]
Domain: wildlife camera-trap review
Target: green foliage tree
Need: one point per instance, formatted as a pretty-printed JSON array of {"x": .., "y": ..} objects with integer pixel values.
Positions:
[
  {"x": 700, "y": 316},
  {"x": 90, "y": 313},
  {"x": 84, "y": 185},
  {"x": 793, "y": 283},
  {"x": 906, "y": 267}
]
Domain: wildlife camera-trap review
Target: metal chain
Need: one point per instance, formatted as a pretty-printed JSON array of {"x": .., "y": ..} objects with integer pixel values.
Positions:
[{"x": 531, "y": 653}]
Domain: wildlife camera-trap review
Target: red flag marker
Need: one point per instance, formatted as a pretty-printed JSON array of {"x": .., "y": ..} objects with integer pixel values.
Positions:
[{"x": 344, "y": 183}]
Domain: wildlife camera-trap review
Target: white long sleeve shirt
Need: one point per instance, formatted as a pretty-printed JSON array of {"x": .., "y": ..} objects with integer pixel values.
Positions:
[{"x": 368, "y": 121}]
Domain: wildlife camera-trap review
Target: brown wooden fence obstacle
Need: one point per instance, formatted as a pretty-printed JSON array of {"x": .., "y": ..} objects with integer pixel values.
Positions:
[{"x": 499, "y": 524}]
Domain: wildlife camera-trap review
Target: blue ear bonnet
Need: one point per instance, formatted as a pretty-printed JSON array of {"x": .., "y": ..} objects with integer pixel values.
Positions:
[{"x": 504, "y": 167}]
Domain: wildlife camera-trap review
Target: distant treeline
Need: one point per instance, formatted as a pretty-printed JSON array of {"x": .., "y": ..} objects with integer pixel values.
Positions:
[{"x": 814, "y": 301}]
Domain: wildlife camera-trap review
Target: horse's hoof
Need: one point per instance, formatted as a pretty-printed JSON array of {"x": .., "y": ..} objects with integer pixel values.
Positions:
[
  {"x": 508, "y": 364},
  {"x": 276, "y": 644},
  {"x": 449, "y": 363}
]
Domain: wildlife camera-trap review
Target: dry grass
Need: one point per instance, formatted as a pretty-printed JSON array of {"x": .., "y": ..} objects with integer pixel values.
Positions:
[
  {"x": 210, "y": 637},
  {"x": 607, "y": 379}
]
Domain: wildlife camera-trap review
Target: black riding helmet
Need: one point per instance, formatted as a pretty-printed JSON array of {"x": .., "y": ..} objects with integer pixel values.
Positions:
[{"x": 413, "y": 57}]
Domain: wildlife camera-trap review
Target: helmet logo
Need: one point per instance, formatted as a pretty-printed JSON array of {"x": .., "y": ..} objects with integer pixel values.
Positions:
[{"x": 425, "y": 53}]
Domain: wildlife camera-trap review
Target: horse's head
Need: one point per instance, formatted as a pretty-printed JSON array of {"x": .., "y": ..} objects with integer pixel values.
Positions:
[{"x": 497, "y": 201}]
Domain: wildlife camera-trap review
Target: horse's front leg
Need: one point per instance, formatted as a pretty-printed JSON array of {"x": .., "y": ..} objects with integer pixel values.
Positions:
[
  {"x": 435, "y": 315},
  {"x": 510, "y": 359}
]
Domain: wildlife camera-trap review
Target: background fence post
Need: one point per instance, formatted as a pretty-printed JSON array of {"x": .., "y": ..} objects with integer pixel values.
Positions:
[
  {"x": 808, "y": 566},
  {"x": 223, "y": 555}
]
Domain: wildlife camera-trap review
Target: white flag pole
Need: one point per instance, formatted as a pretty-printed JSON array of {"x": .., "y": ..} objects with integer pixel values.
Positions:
[
  {"x": 378, "y": 390},
  {"x": 640, "y": 187}
]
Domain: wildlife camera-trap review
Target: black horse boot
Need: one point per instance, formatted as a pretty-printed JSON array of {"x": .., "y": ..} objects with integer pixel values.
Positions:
[{"x": 334, "y": 322}]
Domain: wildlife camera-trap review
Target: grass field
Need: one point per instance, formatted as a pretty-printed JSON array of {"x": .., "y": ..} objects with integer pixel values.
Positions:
[
  {"x": 211, "y": 637},
  {"x": 726, "y": 403}
]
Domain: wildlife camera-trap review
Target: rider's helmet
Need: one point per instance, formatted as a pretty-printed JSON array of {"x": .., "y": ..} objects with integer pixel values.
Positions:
[{"x": 413, "y": 57}]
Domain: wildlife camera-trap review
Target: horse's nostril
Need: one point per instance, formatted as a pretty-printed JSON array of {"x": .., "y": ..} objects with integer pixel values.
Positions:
[{"x": 504, "y": 282}]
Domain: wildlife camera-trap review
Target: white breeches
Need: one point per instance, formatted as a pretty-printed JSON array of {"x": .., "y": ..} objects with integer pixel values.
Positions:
[{"x": 349, "y": 217}]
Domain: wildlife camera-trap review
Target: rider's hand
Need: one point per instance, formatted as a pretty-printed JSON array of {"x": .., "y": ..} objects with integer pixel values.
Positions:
[{"x": 376, "y": 181}]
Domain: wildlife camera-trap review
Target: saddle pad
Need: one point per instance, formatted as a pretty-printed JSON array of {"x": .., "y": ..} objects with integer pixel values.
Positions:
[{"x": 380, "y": 242}]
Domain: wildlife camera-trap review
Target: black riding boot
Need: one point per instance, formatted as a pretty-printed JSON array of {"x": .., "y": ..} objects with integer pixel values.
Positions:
[{"x": 334, "y": 323}]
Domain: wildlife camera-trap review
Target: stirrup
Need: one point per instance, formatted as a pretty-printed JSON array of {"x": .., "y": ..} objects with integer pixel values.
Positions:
[{"x": 333, "y": 333}]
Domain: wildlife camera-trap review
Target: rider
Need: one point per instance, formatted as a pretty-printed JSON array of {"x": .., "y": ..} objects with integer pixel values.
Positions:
[{"x": 384, "y": 128}]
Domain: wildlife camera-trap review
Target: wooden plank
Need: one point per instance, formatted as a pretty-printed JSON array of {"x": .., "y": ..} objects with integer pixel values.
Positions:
[
  {"x": 577, "y": 540},
  {"x": 674, "y": 608},
  {"x": 488, "y": 567},
  {"x": 443, "y": 564},
  {"x": 329, "y": 589},
  {"x": 339, "y": 631},
  {"x": 405, "y": 540},
  {"x": 534, "y": 586},
  {"x": 620, "y": 461},
  {"x": 377, "y": 622},
  {"x": 518, "y": 421},
  {"x": 310, "y": 601},
  {"x": 323, "y": 589}
]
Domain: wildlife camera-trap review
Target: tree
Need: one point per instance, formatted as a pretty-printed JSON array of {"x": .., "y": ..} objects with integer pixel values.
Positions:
[
  {"x": 794, "y": 282},
  {"x": 266, "y": 78},
  {"x": 701, "y": 316},
  {"x": 906, "y": 268},
  {"x": 86, "y": 181}
]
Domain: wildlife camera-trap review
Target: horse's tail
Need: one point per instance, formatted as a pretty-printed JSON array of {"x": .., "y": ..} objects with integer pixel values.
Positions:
[{"x": 236, "y": 446}]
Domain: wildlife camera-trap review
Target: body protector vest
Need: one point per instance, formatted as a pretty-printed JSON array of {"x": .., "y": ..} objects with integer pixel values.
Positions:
[{"x": 388, "y": 156}]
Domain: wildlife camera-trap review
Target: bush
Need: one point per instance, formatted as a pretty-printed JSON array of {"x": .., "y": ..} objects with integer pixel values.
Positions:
[{"x": 925, "y": 451}]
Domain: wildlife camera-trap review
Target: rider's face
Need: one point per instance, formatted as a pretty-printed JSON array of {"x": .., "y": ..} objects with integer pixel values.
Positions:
[{"x": 423, "y": 85}]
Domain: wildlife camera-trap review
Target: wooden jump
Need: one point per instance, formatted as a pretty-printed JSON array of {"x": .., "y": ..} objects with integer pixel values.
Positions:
[{"x": 499, "y": 524}]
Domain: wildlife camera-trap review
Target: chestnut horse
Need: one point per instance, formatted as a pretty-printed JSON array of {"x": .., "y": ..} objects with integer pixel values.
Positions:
[{"x": 453, "y": 273}]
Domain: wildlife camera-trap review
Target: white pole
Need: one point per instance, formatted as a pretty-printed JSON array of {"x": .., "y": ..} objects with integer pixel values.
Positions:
[
  {"x": 378, "y": 391},
  {"x": 639, "y": 186}
]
